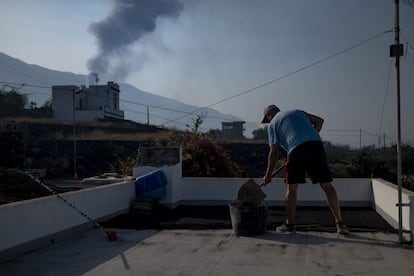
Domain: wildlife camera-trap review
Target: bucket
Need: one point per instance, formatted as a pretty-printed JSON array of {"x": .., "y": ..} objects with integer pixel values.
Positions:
[{"x": 248, "y": 220}]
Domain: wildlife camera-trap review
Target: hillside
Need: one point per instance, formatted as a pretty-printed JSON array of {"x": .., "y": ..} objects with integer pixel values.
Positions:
[
  {"x": 42, "y": 143},
  {"x": 102, "y": 146},
  {"x": 36, "y": 82},
  {"x": 49, "y": 143}
]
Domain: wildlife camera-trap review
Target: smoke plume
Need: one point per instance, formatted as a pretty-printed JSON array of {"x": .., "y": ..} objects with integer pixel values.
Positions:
[{"x": 128, "y": 21}]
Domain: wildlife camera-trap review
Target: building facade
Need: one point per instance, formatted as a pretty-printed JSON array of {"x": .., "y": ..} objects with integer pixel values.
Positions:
[
  {"x": 71, "y": 102},
  {"x": 232, "y": 130}
]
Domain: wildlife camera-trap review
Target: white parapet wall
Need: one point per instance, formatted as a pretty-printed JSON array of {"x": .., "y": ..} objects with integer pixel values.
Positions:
[
  {"x": 216, "y": 191},
  {"x": 221, "y": 191},
  {"x": 385, "y": 200},
  {"x": 44, "y": 218}
]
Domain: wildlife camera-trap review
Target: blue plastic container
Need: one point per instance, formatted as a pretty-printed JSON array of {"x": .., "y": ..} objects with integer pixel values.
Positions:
[{"x": 151, "y": 185}]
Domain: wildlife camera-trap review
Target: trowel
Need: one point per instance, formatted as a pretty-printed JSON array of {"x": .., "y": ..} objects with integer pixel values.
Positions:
[{"x": 251, "y": 193}]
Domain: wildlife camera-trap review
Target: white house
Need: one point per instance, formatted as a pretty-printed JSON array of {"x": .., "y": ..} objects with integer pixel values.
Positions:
[{"x": 71, "y": 102}]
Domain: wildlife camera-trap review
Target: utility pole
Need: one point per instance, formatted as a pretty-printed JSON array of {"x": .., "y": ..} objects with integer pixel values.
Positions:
[
  {"x": 148, "y": 122},
  {"x": 379, "y": 143},
  {"x": 75, "y": 169},
  {"x": 397, "y": 50}
]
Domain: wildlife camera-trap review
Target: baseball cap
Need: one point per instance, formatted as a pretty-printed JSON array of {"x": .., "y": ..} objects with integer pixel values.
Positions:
[{"x": 267, "y": 110}]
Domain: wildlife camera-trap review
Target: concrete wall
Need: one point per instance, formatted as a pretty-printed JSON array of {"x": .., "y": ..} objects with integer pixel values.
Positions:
[
  {"x": 385, "y": 198},
  {"x": 62, "y": 99},
  {"x": 44, "y": 218},
  {"x": 219, "y": 191},
  {"x": 89, "y": 115},
  {"x": 95, "y": 102},
  {"x": 30, "y": 220},
  {"x": 351, "y": 192}
]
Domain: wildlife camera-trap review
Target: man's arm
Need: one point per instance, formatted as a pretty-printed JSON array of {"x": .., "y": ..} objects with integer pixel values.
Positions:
[
  {"x": 316, "y": 121},
  {"x": 271, "y": 162}
]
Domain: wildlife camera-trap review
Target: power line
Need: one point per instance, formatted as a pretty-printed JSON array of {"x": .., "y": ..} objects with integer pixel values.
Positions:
[
  {"x": 342, "y": 130},
  {"x": 26, "y": 84},
  {"x": 288, "y": 74},
  {"x": 125, "y": 101},
  {"x": 144, "y": 113},
  {"x": 409, "y": 3},
  {"x": 407, "y": 42},
  {"x": 166, "y": 119},
  {"x": 21, "y": 72},
  {"x": 370, "y": 133},
  {"x": 385, "y": 97},
  {"x": 159, "y": 107},
  {"x": 251, "y": 89},
  {"x": 352, "y": 130},
  {"x": 240, "y": 93},
  {"x": 126, "y": 110}
]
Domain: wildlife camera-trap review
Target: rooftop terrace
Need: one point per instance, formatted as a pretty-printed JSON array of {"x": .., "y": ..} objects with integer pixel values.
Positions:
[
  {"x": 190, "y": 232},
  {"x": 217, "y": 252}
]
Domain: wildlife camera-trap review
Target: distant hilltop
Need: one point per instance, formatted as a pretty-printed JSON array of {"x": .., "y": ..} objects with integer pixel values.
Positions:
[{"x": 139, "y": 106}]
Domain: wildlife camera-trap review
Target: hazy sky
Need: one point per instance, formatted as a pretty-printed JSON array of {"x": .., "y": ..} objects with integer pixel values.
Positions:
[{"x": 202, "y": 52}]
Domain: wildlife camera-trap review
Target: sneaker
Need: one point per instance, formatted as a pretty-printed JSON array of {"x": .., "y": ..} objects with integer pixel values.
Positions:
[
  {"x": 286, "y": 228},
  {"x": 341, "y": 228}
]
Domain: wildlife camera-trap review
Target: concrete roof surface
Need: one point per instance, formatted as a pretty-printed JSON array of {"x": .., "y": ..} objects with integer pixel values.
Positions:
[{"x": 217, "y": 252}]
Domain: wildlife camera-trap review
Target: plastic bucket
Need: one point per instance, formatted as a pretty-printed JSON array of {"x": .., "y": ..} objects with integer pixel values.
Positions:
[{"x": 248, "y": 220}]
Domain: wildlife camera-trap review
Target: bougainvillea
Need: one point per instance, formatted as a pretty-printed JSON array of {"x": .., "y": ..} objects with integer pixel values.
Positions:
[{"x": 203, "y": 155}]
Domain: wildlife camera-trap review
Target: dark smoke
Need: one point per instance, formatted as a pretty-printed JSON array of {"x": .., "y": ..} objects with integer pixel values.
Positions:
[{"x": 127, "y": 23}]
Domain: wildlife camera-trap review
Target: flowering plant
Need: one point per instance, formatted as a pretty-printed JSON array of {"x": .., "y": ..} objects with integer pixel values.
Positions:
[{"x": 203, "y": 155}]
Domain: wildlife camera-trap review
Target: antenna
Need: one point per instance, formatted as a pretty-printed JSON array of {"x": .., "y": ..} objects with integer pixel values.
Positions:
[{"x": 95, "y": 75}]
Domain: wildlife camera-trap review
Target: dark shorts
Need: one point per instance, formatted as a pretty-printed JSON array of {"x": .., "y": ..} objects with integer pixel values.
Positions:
[{"x": 307, "y": 160}]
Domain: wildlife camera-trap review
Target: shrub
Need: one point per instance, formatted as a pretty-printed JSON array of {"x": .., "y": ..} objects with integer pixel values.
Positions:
[{"x": 203, "y": 156}]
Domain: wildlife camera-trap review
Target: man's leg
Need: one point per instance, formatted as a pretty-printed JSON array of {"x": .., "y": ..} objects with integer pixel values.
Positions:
[
  {"x": 291, "y": 199},
  {"x": 333, "y": 203},
  {"x": 332, "y": 200}
]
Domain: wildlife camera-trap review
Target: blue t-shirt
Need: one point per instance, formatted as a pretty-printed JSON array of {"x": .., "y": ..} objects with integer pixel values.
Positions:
[{"x": 291, "y": 128}]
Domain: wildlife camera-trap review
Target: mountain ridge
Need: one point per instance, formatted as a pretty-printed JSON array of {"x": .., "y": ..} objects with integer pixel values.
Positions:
[{"x": 140, "y": 106}]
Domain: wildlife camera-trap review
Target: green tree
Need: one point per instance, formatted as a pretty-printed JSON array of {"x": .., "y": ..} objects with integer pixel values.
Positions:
[
  {"x": 339, "y": 170},
  {"x": 124, "y": 165},
  {"x": 365, "y": 165},
  {"x": 260, "y": 134},
  {"x": 197, "y": 122},
  {"x": 33, "y": 105},
  {"x": 47, "y": 104},
  {"x": 407, "y": 156},
  {"x": 337, "y": 153},
  {"x": 12, "y": 103},
  {"x": 46, "y": 111}
]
